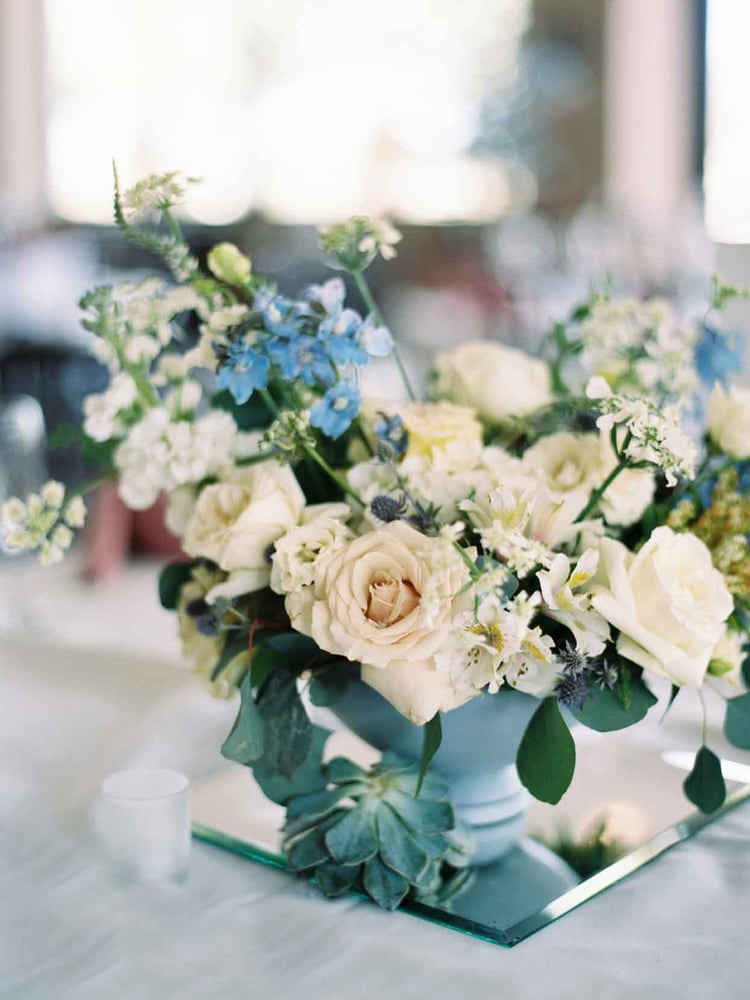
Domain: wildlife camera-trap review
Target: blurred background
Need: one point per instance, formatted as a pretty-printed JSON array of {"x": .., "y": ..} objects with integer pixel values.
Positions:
[{"x": 528, "y": 149}]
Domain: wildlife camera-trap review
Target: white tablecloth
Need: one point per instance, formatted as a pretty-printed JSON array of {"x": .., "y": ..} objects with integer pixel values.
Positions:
[{"x": 100, "y": 687}]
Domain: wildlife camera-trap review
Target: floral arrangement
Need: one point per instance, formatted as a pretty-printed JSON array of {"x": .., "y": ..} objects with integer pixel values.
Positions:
[{"x": 573, "y": 526}]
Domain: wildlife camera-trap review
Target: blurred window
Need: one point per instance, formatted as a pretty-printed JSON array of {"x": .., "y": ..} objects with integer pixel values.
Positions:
[{"x": 304, "y": 111}]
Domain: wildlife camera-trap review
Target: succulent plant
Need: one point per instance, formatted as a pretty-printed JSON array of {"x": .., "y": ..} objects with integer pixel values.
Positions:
[{"x": 368, "y": 830}]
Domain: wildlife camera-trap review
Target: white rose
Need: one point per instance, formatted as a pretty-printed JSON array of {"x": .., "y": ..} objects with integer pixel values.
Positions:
[
  {"x": 368, "y": 606},
  {"x": 498, "y": 381},
  {"x": 416, "y": 688},
  {"x": 573, "y": 465},
  {"x": 234, "y": 522},
  {"x": 435, "y": 426},
  {"x": 668, "y": 602},
  {"x": 729, "y": 420}
]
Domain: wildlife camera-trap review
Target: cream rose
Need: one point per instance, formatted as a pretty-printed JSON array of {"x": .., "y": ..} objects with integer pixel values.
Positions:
[
  {"x": 573, "y": 465},
  {"x": 387, "y": 600},
  {"x": 498, "y": 381},
  {"x": 668, "y": 602},
  {"x": 729, "y": 420},
  {"x": 235, "y": 521},
  {"x": 434, "y": 426}
]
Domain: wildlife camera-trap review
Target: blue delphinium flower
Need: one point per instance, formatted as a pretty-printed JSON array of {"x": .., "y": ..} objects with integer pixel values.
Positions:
[
  {"x": 376, "y": 340},
  {"x": 305, "y": 358},
  {"x": 718, "y": 355},
  {"x": 283, "y": 317},
  {"x": 334, "y": 413},
  {"x": 390, "y": 431},
  {"x": 340, "y": 335},
  {"x": 329, "y": 297},
  {"x": 243, "y": 371}
]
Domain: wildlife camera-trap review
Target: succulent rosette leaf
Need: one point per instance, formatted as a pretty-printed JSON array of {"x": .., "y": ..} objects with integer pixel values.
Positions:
[{"x": 367, "y": 830}]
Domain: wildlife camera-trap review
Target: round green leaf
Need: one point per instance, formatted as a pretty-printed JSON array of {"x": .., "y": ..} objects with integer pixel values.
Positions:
[
  {"x": 604, "y": 710},
  {"x": 704, "y": 786},
  {"x": 547, "y": 754}
]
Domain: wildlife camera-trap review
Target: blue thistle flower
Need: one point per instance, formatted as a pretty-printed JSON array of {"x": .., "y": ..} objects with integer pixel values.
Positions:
[{"x": 334, "y": 413}]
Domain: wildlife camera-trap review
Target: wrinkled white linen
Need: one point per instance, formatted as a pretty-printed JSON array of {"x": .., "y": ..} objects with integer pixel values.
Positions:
[{"x": 108, "y": 694}]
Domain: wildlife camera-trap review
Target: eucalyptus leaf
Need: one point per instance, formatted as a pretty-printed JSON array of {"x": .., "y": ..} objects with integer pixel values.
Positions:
[
  {"x": 334, "y": 880},
  {"x": 704, "y": 786},
  {"x": 398, "y": 848},
  {"x": 420, "y": 814},
  {"x": 246, "y": 741},
  {"x": 547, "y": 754},
  {"x": 327, "y": 687},
  {"x": 605, "y": 712},
  {"x": 288, "y": 729},
  {"x": 234, "y": 644},
  {"x": 353, "y": 839},
  {"x": 737, "y": 721},
  {"x": 384, "y": 885},
  {"x": 307, "y": 778},
  {"x": 171, "y": 580}
]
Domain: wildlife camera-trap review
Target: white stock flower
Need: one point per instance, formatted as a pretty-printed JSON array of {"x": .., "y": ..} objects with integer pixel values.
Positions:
[
  {"x": 296, "y": 552},
  {"x": 159, "y": 455},
  {"x": 667, "y": 601},
  {"x": 235, "y": 521},
  {"x": 496, "y": 380},
  {"x": 729, "y": 420},
  {"x": 102, "y": 409}
]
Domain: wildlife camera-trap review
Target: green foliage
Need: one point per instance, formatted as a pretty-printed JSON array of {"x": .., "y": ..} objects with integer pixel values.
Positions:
[
  {"x": 737, "y": 721},
  {"x": 606, "y": 711},
  {"x": 432, "y": 737},
  {"x": 250, "y": 416},
  {"x": 327, "y": 686},
  {"x": 306, "y": 779},
  {"x": 366, "y": 830},
  {"x": 288, "y": 730},
  {"x": 547, "y": 754},
  {"x": 171, "y": 581},
  {"x": 704, "y": 786},
  {"x": 246, "y": 741}
]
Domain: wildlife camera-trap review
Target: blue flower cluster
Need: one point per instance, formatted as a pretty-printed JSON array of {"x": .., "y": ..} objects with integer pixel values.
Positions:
[
  {"x": 314, "y": 340},
  {"x": 718, "y": 355}
]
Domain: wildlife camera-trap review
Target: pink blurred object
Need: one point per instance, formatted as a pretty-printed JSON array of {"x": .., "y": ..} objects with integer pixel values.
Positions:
[{"x": 114, "y": 533}]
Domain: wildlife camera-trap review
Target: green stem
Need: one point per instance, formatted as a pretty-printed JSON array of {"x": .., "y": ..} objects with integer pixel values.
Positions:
[
  {"x": 174, "y": 226},
  {"x": 315, "y": 455},
  {"x": 364, "y": 290},
  {"x": 600, "y": 491}
]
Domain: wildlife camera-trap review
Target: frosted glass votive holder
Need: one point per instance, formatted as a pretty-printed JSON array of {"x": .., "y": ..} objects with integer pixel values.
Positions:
[{"x": 143, "y": 822}]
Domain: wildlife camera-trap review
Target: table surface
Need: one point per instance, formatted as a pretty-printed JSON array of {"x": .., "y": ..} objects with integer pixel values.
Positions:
[{"x": 96, "y": 684}]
